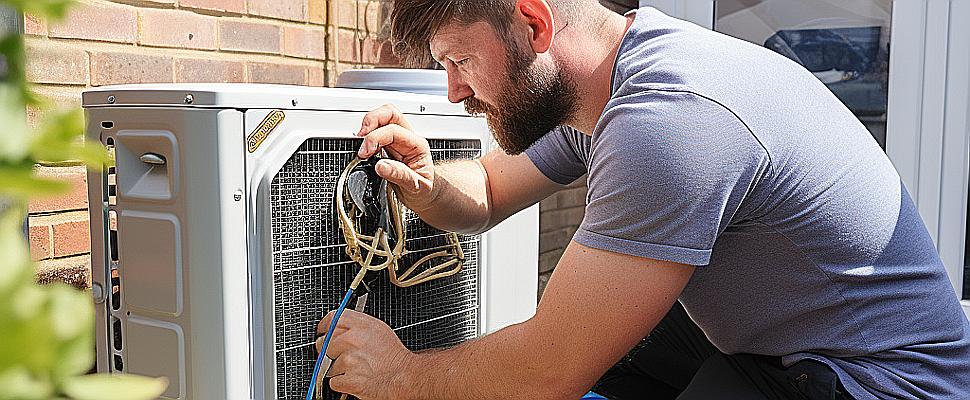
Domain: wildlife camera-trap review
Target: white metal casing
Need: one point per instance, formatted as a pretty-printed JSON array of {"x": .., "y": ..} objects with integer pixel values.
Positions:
[{"x": 201, "y": 321}]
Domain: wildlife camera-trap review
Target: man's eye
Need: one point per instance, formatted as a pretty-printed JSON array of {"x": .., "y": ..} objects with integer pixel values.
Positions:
[{"x": 462, "y": 62}]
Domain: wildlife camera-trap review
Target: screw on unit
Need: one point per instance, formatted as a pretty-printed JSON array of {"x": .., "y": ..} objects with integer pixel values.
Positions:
[
  {"x": 189, "y": 99},
  {"x": 295, "y": 102},
  {"x": 423, "y": 108},
  {"x": 112, "y": 99},
  {"x": 238, "y": 195}
]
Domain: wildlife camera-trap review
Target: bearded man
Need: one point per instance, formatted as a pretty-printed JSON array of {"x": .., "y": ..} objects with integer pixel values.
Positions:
[{"x": 739, "y": 217}]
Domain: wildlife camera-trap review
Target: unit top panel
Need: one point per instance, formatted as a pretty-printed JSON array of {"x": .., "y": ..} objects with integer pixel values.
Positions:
[{"x": 263, "y": 96}]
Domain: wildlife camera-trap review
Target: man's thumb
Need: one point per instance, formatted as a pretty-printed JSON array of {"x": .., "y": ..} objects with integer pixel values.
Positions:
[{"x": 399, "y": 174}]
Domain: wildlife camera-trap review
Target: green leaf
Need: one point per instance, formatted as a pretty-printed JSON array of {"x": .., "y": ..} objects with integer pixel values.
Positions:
[
  {"x": 15, "y": 263},
  {"x": 72, "y": 326},
  {"x": 60, "y": 139},
  {"x": 51, "y": 8},
  {"x": 71, "y": 315},
  {"x": 114, "y": 387},
  {"x": 20, "y": 183},
  {"x": 14, "y": 138},
  {"x": 17, "y": 383}
]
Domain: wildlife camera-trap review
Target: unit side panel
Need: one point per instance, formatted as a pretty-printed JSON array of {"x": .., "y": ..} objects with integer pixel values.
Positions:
[{"x": 180, "y": 247}]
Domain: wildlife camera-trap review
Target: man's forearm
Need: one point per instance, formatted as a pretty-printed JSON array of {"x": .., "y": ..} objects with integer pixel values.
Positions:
[
  {"x": 460, "y": 199},
  {"x": 507, "y": 364}
]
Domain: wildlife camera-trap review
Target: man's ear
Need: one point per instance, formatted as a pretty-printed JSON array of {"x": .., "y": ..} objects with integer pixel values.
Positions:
[{"x": 538, "y": 16}]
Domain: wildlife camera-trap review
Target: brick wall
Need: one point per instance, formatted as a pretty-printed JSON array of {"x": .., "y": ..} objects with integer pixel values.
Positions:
[
  {"x": 105, "y": 42},
  {"x": 559, "y": 217}
]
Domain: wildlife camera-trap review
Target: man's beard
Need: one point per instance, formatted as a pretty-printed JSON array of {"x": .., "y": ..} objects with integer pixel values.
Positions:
[{"x": 535, "y": 101}]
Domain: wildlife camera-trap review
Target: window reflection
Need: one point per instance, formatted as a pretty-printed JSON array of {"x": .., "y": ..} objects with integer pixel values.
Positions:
[{"x": 845, "y": 43}]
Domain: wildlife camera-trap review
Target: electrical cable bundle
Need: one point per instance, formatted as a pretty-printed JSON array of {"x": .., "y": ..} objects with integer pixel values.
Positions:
[
  {"x": 370, "y": 197},
  {"x": 389, "y": 249}
]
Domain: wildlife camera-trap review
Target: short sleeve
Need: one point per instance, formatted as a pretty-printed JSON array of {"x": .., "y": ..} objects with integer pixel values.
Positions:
[
  {"x": 668, "y": 172},
  {"x": 559, "y": 155}
]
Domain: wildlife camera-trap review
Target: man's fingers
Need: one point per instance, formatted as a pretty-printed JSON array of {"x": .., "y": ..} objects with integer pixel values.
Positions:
[
  {"x": 401, "y": 175},
  {"x": 342, "y": 365},
  {"x": 345, "y": 384},
  {"x": 324, "y": 325},
  {"x": 394, "y": 137},
  {"x": 384, "y": 115}
]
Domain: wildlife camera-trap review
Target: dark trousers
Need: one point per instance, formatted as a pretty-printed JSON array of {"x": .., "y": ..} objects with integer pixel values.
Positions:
[{"x": 678, "y": 362}]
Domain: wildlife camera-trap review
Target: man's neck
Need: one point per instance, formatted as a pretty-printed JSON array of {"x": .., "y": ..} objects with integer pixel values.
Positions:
[{"x": 590, "y": 63}]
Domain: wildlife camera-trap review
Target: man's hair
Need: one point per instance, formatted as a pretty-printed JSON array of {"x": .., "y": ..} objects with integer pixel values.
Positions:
[{"x": 415, "y": 22}]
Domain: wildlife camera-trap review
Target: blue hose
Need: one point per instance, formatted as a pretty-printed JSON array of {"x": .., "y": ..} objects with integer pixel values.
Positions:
[{"x": 326, "y": 342}]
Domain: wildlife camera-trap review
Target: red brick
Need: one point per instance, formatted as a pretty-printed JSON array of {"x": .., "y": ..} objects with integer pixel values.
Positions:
[
  {"x": 110, "y": 68},
  {"x": 548, "y": 261},
  {"x": 317, "y": 11},
  {"x": 572, "y": 197},
  {"x": 40, "y": 242},
  {"x": 101, "y": 22},
  {"x": 369, "y": 17},
  {"x": 548, "y": 204},
  {"x": 555, "y": 240},
  {"x": 543, "y": 282},
  {"x": 387, "y": 57},
  {"x": 552, "y": 220},
  {"x": 277, "y": 73},
  {"x": 59, "y": 97},
  {"x": 34, "y": 25},
  {"x": 318, "y": 77},
  {"x": 292, "y": 10},
  {"x": 170, "y": 28},
  {"x": 75, "y": 199},
  {"x": 233, "y": 6},
  {"x": 207, "y": 71},
  {"x": 71, "y": 238},
  {"x": 346, "y": 13},
  {"x": 348, "y": 46},
  {"x": 371, "y": 51},
  {"x": 51, "y": 63},
  {"x": 305, "y": 42},
  {"x": 249, "y": 37}
]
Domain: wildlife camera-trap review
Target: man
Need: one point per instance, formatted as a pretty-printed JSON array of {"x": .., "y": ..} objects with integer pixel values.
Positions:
[{"x": 720, "y": 174}]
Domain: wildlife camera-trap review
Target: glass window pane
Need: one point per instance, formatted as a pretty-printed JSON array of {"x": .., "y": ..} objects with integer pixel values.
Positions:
[{"x": 845, "y": 43}]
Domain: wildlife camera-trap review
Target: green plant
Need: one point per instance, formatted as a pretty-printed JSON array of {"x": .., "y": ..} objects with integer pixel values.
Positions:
[{"x": 46, "y": 332}]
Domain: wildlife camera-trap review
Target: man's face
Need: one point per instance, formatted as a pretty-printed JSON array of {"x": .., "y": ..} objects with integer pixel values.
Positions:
[{"x": 522, "y": 96}]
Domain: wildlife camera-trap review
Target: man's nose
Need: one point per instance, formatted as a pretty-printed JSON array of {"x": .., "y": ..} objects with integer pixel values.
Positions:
[{"x": 458, "y": 90}]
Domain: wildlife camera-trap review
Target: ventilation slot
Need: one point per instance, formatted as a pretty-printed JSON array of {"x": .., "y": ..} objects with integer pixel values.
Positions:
[
  {"x": 113, "y": 252},
  {"x": 116, "y": 333},
  {"x": 113, "y": 277}
]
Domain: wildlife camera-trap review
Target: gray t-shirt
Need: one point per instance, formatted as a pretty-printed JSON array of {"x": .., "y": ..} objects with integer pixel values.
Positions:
[{"x": 721, "y": 154}]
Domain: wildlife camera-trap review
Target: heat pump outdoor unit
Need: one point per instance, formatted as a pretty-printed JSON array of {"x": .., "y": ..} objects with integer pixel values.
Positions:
[{"x": 215, "y": 243}]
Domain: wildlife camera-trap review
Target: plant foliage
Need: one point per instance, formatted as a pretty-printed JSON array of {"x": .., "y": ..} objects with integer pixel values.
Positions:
[{"x": 46, "y": 332}]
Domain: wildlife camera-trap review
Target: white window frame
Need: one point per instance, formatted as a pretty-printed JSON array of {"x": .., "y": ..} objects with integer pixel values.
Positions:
[{"x": 928, "y": 130}]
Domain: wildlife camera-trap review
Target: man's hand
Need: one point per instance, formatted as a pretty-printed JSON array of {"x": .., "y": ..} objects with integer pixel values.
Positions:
[
  {"x": 411, "y": 170},
  {"x": 368, "y": 356}
]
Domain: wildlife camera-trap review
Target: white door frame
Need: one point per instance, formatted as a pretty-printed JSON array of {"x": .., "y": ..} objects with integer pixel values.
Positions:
[{"x": 928, "y": 131}]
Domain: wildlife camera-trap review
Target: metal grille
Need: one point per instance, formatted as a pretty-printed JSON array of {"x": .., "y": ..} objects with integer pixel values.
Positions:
[{"x": 311, "y": 272}]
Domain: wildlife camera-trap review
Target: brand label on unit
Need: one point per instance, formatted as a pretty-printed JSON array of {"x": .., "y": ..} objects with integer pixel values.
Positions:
[{"x": 269, "y": 124}]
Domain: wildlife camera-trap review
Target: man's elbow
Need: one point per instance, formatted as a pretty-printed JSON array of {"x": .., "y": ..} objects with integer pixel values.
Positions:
[{"x": 557, "y": 382}]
